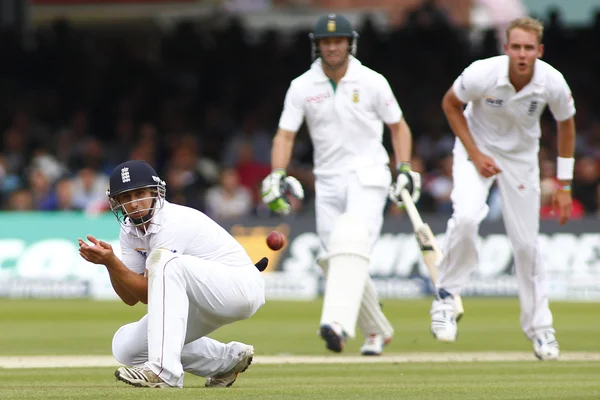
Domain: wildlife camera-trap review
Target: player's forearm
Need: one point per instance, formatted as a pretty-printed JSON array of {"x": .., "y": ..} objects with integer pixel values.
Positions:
[
  {"x": 281, "y": 153},
  {"x": 566, "y": 138},
  {"x": 128, "y": 284},
  {"x": 566, "y": 141},
  {"x": 458, "y": 124},
  {"x": 401, "y": 141},
  {"x": 123, "y": 294}
]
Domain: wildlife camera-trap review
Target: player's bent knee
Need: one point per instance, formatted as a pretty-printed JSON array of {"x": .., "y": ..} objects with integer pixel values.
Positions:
[
  {"x": 466, "y": 223},
  {"x": 120, "y": 349}
]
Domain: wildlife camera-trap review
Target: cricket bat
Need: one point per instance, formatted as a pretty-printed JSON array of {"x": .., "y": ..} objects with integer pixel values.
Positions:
[{"x": 430, "y": 249}]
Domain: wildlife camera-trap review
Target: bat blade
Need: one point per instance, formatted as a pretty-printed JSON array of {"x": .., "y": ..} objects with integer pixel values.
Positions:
[{"x": 431, "y": 252}]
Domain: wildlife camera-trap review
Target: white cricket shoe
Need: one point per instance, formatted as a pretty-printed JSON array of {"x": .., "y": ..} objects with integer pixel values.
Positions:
[
  {"x": 374, "y": 345},
  {"x": 545, "y": 346},
  {"x": 226, "y": 379},
  {"x": 141, "y": 376},
  {"x": 443, "y": 319}
]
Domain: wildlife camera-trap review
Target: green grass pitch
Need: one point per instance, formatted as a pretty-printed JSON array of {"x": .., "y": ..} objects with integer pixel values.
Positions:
[{"x": 80, "y": 327}]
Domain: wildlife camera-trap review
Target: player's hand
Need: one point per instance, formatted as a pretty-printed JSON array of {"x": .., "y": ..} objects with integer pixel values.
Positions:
[
  {"x": 98, "y": 253},
  {"x": 486, "y": 166},
  {"x": 563, "y": 202},
  {"x": 409, "y": 180},
  {"x": 276, "y": 188}
]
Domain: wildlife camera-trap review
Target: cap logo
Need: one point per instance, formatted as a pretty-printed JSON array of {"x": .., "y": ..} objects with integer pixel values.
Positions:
[
  {"x": 331, "y": 25},
  {"x": 125, "y": 175}
]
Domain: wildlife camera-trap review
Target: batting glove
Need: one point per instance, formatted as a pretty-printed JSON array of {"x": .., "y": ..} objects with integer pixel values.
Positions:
[
  {"x": 409, "y": 180},
  {"x": 276, "y": 188}
]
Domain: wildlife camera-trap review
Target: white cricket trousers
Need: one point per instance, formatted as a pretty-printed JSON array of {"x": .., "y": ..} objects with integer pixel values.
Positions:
[
  {"x": 188, "y": 298},
  {"x": 363, "y": 192},
  {"x": 519, "y": 186}
]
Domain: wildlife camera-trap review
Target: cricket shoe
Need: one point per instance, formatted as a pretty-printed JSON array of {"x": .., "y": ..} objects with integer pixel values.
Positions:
[
  {"x": 226, "y": 379},
  {"x": 545, "y": 346},
  {"x": 141, "y": 376},
  {"x": 334, "y": 336},
  {"x": 374, "y": 344},
  {"x": 443, "y": 320}
]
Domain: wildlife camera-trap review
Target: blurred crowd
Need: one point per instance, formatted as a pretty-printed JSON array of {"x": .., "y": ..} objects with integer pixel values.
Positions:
[{"x": 201, "y": 103}]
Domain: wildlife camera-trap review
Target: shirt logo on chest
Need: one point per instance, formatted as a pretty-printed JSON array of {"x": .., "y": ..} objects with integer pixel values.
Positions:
[
  {"x": 318, "y": 98},
  {"x": 355, "y": 96},
  {"x": 494, "y": 102},
  {"x": 533, "y": 105},
  {"x": 142, "y": 251}
]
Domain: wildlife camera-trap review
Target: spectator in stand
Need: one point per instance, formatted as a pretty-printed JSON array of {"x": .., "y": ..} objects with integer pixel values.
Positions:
[
  {"x": 250, "y": 171},
  {"x": 253, "y": 134},
  {"x": 439, "y": 185},
  {"x": 585, "y": 184},
  {"x": 61, "y": 198},
  {"x": 89, "y": 187},
  {"x": 95, "y": 100},
  {"x": 228, "y": 200},
  {"x": 186, "y": 185},
  {"x": 20, "y": 200}
]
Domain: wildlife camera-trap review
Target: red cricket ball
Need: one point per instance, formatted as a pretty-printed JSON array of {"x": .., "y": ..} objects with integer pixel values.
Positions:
[{"x": 276, "y": 240}]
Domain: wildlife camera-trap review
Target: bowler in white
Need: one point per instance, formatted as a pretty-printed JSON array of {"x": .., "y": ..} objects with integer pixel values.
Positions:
[{"x": 498, "y": 141}]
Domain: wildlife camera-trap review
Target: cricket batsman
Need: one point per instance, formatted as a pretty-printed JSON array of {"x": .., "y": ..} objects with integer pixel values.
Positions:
[{"x": 345, "y": 105}]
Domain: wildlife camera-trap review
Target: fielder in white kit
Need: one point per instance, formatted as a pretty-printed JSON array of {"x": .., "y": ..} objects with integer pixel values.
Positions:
[
  {"x": 345, "y": 105},
  {"x": 194, "y": 276},
  {"x": 498, "y": 141}
]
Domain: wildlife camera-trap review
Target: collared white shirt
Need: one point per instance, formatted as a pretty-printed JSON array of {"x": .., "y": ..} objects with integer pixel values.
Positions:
[
  {"x": 345, "y": 124},
  {"x": 182, "y": 230},
  {"x": 503, "y": 120}
]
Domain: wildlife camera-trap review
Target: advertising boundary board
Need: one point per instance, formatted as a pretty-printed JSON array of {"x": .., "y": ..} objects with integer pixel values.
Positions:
[{"x": 39, "y": 257}]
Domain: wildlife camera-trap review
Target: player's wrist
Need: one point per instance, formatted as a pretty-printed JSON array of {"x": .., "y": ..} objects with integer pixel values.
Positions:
[
  {"x": 564, "y": 186},
  {"x": 279, "y": 171},
  {"x": 564, "y": 168},
  {"x": 403, "y": 167}
]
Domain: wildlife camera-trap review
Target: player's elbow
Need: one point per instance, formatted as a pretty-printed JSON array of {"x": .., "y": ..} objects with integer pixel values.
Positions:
[
  {"x": 142, "y": 297},
  {"x": 130, "y": 302},
  {"x": 129, "y": 299},
  {"x": 446, "y": 104}
]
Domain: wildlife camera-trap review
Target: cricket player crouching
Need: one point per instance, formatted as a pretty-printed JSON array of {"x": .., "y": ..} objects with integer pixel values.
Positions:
[
  {"x": 345, "y": 105},
  {"x": 498, "y": 141},
  {"x": 194, "y": 276}
]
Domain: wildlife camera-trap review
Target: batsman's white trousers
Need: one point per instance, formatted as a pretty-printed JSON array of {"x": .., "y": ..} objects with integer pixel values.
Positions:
[
  {"x": 519, "y": 186},
  {"x": 363, "y": 192},
  {"x": 188, "y": 298}
]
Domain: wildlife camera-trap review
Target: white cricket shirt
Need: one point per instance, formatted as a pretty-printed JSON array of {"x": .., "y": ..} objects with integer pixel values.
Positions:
[
  {"x": 345, "y": 124},
  {"x": 182, "y": 230},
  {"x": 503, "y": 120}
]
